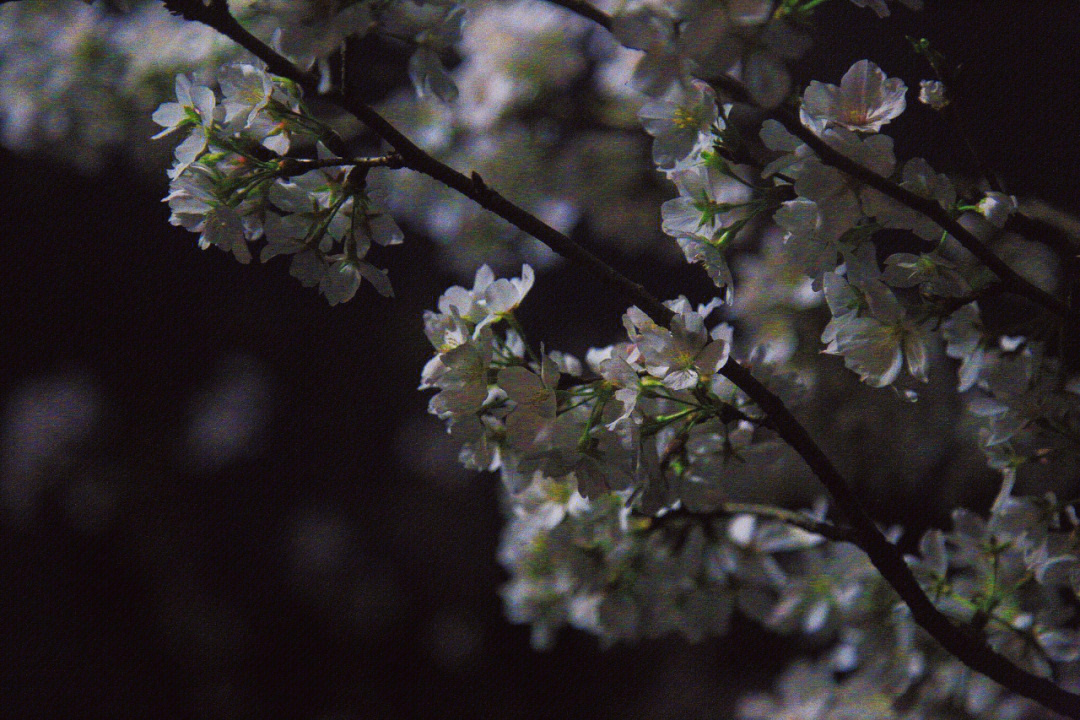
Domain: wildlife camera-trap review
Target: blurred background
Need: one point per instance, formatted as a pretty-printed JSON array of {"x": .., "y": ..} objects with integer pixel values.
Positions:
[{"x": 221, "y": 498}]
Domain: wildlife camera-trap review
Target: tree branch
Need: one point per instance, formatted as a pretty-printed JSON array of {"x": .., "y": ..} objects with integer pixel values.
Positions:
[
  {"x": 968, "y": 648},
  {"x": 299, "y": 166}
]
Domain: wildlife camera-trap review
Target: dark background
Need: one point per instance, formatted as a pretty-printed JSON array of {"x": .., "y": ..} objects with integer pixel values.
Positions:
[{"x": 328, "y": 559}]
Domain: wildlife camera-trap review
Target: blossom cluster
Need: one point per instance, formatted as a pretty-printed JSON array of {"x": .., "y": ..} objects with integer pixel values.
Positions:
[
  {"x": 887, "y": 317},
  {"x": 590, "y": 541},
  {"x": 891, "y": 315},
  {"x": 620, "y": 523},
  {"x": 1011, "y": 577},
  {"x": 602, "y": 423},
  {"x": 520, "y": 60},
  {"x": 233, "y": 183},
  {"x": 615, "y": 467},
  {"x": 529, "y": 73},
  {"x": 309, "y": 32}
]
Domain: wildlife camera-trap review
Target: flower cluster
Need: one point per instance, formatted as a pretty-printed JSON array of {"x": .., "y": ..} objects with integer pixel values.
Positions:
[
  {"x": 522, "y": 61},
  {"x": 309, "y": 32},
  {"x": 620, "y": 422},
  {"x": 1015, "y": 576},
  {"x": 233, "y": 184},
  {"x": 619, "y": 522},
  {"x": 706, "y": 39},
  {"x": 886, "y": 316},
  {"x": 1013, "y": 389},
  {"x": 631, "y": 538}
]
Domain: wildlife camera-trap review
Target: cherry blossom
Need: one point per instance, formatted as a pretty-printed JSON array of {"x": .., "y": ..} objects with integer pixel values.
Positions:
[{"x": 864, "y": 101}]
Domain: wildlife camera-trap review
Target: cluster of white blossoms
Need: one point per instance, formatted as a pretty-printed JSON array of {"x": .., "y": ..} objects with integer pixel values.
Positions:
[
  {"x": 232, "y": 183},
  {"x": 612, "y": 467},
  {"x": 1013, "y": 575},
  {"x": 519, "y": 61},
  {"x": 601, "y": 424},
  {"x": 553, "y": 87},
  {"x": 894, "y": 314},
  {"x": 309, "y": 31},
  {"x": 619, "y": 525},
  {"x": 828, "y": 222},
  {"x": 706, "y": 39}
]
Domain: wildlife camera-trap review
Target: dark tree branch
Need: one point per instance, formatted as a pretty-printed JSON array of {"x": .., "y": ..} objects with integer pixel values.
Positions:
[
  {"x": 966, "y": 647},
  {"x": 585, "y": 10}
]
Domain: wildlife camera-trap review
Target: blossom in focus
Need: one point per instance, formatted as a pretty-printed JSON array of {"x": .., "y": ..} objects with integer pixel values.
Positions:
[
  {"x": 876, "y": 351},
  {"x": 489, "y": 299},
  {"x": 678, "y": 121},
  {"x": 681, "y": 356},
  {"x": 997, "y": 207},
  {"x": 196, "y": 207},
  {"x": 196, "y": 107},
  {"x": 534, "y": 398},
  {"x": 709, "y": 202},
  {"x": 864, "y": 101}
]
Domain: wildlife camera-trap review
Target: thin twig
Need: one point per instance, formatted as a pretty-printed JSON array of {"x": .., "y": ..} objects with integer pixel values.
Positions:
[
  {"x": 966, "y": 647},
  {"x": 934, "y": 59},
  {"x": 298, "y": 166}
]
